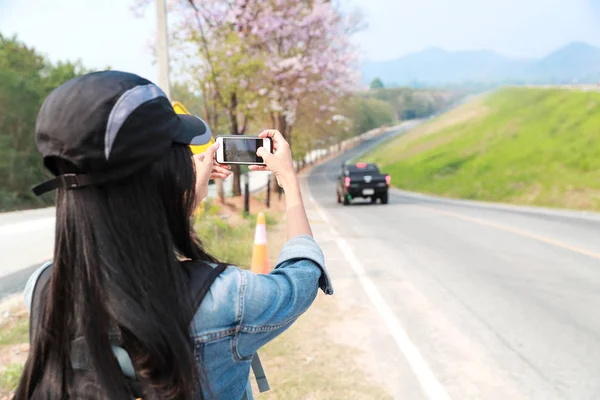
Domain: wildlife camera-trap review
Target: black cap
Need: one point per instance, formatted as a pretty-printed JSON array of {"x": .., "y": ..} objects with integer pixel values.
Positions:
[{"x": 109, "y": 125}]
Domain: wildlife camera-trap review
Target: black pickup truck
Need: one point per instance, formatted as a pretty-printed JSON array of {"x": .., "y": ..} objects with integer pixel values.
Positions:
[{"x": 362, "y": 180}]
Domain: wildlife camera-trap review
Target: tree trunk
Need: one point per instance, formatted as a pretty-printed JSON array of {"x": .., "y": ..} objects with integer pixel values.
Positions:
[
  {"x": 283, "y": 127},
  {"x": 233, "y": 114},
  {"x": 279, "y": 123},
  {"x": 205, "y": 100},
  {"x": 220, "y": 191},
  {"x": 235, "y": 129},
  {"x": 244, "y": 124},
  {"x": 212, "y": 118},
  {"x": 288, "y": 133},
  {"x": 237, "y": 186},
  {"x": 215, "y": 112}
]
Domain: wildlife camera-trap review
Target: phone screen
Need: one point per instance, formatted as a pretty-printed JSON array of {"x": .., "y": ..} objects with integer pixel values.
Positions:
[{"x": 242, "y": 150}]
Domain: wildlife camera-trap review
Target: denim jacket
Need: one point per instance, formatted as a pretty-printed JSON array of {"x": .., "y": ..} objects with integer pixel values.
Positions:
[{"x": 243, "y": 311}]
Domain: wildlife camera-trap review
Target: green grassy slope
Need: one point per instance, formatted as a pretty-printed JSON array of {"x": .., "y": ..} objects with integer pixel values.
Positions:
[{"x": 517, "y": 145}]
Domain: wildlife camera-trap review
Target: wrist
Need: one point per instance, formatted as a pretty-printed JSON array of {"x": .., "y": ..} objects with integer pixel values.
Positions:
[{"x": 289, "y": 182}]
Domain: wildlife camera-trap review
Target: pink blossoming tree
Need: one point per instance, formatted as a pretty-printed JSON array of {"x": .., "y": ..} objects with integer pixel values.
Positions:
[{"x": 253, "y": 57}]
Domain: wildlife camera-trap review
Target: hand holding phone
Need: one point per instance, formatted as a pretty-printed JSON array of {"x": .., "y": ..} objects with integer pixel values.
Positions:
[
  {"x": 280, "y": 161},
  {"x": 281, "y": 164},
  {"x": 238, "y": 149},
  {"x": 207, "y": 169}
]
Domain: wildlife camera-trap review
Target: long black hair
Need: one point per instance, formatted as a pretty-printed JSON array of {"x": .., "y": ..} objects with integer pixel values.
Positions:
[{"x": 116, "y": 266}]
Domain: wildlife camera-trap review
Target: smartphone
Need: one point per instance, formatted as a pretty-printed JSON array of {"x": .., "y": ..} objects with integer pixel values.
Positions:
[{"x": 239, "y": 149}]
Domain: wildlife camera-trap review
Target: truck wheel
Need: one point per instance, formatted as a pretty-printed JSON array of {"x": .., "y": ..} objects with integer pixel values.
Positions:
[
  {"x": 373, "y": 199},
  {"x": 384, "y": 198}
]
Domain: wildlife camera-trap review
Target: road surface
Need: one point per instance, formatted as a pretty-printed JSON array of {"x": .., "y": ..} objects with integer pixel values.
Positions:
[
  {"x": 449, "y": 299},
  {"x": 462, "y": 301}
]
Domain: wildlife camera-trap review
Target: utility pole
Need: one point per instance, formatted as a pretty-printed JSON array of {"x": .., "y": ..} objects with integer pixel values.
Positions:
[{"x": 163, "y": 47}]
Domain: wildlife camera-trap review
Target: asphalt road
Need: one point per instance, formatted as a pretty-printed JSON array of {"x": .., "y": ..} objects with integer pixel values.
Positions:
[
  {"x": 26, "y": 241},
  {"x": 500, "y": 302}
]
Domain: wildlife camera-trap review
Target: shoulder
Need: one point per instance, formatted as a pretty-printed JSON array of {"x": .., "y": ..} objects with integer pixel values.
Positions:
[
  {"x": 31, "y": 282},
  {"x": 220, "y": 310}
]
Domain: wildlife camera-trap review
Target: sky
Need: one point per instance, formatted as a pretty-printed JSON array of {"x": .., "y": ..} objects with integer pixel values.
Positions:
[
  {"x": 517, "y": 28},
  {"x": 99, "y": 32},
  {"x": 107, "y": 33}
]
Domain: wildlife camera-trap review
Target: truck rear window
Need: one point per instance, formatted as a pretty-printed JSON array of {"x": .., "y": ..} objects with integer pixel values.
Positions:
[{"x": 368, "y": 168}]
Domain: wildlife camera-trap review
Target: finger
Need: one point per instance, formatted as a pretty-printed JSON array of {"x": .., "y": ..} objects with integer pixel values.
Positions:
[
  {"x": 263, "y": 153},
  {"x": 210, "y": 153},
  {"x": 275, "y": 135},
  {"x": 215, "y": 175},
  {"x": 272, "y": 133},
  {"x": 258, "y": 168},
  {"x": 226, "y": 166},
  {"x": 199, "y": 157},
  {"x": 220, "y": 169},
  {"x": 224, "y": 172}
]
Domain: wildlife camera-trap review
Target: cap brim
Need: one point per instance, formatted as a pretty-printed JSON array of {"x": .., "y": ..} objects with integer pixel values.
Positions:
[{"x": 192, "y": 131}]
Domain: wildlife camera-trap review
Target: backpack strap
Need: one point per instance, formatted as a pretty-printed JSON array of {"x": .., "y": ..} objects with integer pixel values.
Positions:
[
  {"x": 259, "y": 374},
  {"x": 38, "y": 301},
  {"x": 79, "y": 351},
  {"x": 201, "y": 276}
]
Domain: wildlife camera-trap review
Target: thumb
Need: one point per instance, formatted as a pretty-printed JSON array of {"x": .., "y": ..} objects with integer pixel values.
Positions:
[
  {"x": 209, "y": 155},
  {"x": 263, "y": 153}
]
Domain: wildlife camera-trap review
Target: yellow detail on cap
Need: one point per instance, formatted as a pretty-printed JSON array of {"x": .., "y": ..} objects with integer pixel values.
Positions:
[{"x": 180, "y": 109}]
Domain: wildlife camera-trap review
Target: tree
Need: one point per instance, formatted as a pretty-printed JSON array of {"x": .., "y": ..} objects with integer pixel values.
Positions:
[
  {"x": 309, "y": 51},
  {"x": 377, "y": 84},
  {"x": 191, "y": 99},
  {"x": 26, "y": 78},
  {"x": 208, "y": 49},
  {"x": 320, "y": 125},
  {"x": 370, "y": 113},
  {"x": 252, "y": 56}
]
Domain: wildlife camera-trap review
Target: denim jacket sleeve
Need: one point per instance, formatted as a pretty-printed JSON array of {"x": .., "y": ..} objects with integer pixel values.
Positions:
[{"x": 272, "y": 302}]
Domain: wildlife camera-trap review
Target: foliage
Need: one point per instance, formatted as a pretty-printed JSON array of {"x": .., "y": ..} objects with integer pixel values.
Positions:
[
  {"x": 229, "y": 241},
  {"x": 376, "y": 84},
  {"x": 257, "y": 56},
  {"x": 26, "y": 78},
  {"x": 369, "y": 113},
  {"x": 411, "y": 103}
]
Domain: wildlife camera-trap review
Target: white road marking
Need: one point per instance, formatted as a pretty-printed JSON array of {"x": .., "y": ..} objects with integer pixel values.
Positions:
[{"x": 432, "y": 388}]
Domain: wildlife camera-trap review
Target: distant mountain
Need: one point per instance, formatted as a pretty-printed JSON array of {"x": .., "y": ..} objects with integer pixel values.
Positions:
[{"x": 575, "y": 62}]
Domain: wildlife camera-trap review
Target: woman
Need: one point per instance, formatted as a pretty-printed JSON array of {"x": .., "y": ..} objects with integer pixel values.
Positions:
[{"x": 127, "y": 186}]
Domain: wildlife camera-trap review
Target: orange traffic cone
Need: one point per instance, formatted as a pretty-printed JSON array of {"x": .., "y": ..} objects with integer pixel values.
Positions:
[{"x": 260, "y": 253}]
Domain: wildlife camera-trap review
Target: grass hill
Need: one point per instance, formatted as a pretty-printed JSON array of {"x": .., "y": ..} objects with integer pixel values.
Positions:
[{"x": 516, "y": 145}]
